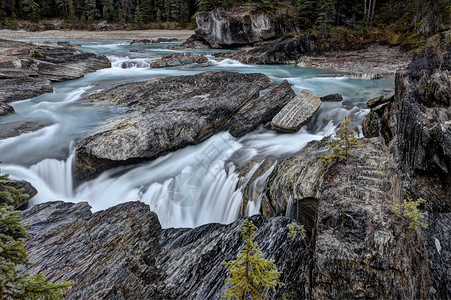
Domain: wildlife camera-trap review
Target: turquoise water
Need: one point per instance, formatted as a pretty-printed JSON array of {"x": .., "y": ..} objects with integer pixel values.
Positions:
[{"x": 186, "y": 188}]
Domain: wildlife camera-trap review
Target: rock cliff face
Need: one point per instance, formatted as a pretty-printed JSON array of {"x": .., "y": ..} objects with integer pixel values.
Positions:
[
  {"x": 423, "y": 124},
  {"x": 361, "y": 249},
  {"x": 27, "y": 69},
  {"x": 230, "y": 28},
  {"x": 417, "y": 124},
  {"x": 108, "y": 255},
  {"x": 121, "y": 253}
]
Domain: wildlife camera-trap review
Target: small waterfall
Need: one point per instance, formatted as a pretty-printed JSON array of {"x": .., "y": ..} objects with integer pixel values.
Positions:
[
  {"x": 289, "y": 212},
  {"x": 256, "y": 192},
  {"x": 130, "y": 63}
]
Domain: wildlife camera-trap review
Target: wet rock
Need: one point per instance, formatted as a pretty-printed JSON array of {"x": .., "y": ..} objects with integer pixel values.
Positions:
[
  {"x": 278, "y": 51},
  {"x": 27, "y": 189},
  {"x": 6, "y": 109},
  {"x": 368, "y": 76},
  {"x": 332, "y": 98},
  {"x": 153, "y": 41},
  {"x": 21, "y": 127},
  {"x": 23, "y": 88},
  {"x": 437, "y": 242},
  {"x": 179, "y": 59},
  {"x": 362, "y": 250},
  {"x": 297, "y": 112},
  {"x": 380, "y": 119},
  {"x": 229, "y": 28},
  {"x": 122, "y": 253},
  {"x": 109, "y": 254},
  {"x": 297, "y": 180},
  {"x": 193, "y": 42},
  {"x": 26, "y": 69},
  {"x": 261, "y": 110},
  {"x": 166, "y": 114}
]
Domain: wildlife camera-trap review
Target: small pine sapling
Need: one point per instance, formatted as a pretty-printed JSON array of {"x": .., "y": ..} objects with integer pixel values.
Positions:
[
  {"x": 14, "y": 256},
  {"x": 344, "y": 141},
  {"x": 250, "y": 274},
  {"x": 409, "y": 210}
]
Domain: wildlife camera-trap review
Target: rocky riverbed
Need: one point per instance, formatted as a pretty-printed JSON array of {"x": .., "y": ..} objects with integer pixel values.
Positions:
[{"x": 27, "y": 69}]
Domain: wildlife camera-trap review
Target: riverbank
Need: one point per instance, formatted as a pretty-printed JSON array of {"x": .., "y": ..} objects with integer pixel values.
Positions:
[{"x": 96, "y": 35}]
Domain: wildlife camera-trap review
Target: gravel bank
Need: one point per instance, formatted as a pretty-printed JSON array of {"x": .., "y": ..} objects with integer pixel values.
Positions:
[{"x": 96, "y": 35}]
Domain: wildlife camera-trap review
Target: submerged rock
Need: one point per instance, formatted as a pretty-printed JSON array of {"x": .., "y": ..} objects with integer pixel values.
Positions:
[
  {"x": 332, "y": 98},
  {"x": 26, "y": 69},
  {"x": 297, "y": 112},
  {"x": 261, "y": 110},
  {"x": 153, "y": 41},
  {"x": 166, "y": 114},
  {"x": 179, "y": 59}
]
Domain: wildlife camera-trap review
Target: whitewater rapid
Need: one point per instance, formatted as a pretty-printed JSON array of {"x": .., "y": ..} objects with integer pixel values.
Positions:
[{"x": 189, "y": 187}]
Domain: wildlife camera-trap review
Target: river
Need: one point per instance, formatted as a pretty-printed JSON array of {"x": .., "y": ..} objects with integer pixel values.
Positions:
[{"x": 187, "y": 188}]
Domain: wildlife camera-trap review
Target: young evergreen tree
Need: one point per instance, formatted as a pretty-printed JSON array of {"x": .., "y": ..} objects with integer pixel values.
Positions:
[
  {"x": 343, "y": 143},
  {"x": 13, "y": 254},
  {"x": 250, "y": 274}
]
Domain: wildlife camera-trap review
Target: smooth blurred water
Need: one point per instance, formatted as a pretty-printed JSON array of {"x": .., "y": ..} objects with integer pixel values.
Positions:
[{"x": 186, "y": 188}]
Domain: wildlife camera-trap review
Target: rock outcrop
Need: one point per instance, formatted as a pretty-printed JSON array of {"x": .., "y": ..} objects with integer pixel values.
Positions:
[
  {"x": 179, "y": 59},
  {"x": 121, "y": 253},
  {"x": 166, "y": 114},
  {"x": 437, "y": 242},
  {"x": 361, "y": 249},
  {"x": 27, "y": 69},
  {"x": 297, "y": 112},
  {"x": 417, "y": 124},
  {"x": 108, "y": 255},
  {"x": 241, "y": 26},
  {"x": 261, "y": 110}
]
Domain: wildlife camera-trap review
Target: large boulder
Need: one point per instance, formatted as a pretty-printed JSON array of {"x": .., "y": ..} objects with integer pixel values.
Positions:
[
  {"x": 122, "y": 253},
  {"x": 363, "y": 250},
  {"x": 241, "y": 26},
  {"x": 297, "y": 112},
  {"x": 261, "y": 110},
  {"x": 26, "y": 69},
  {"x": 166, "y": 114}
]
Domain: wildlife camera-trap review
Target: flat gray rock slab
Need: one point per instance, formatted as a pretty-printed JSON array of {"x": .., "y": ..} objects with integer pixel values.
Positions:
[{"x": 297, "y": 112}]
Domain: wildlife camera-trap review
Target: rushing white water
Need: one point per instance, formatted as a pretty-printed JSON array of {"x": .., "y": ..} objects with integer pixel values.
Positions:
[{"x": 186, "y": 188}]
